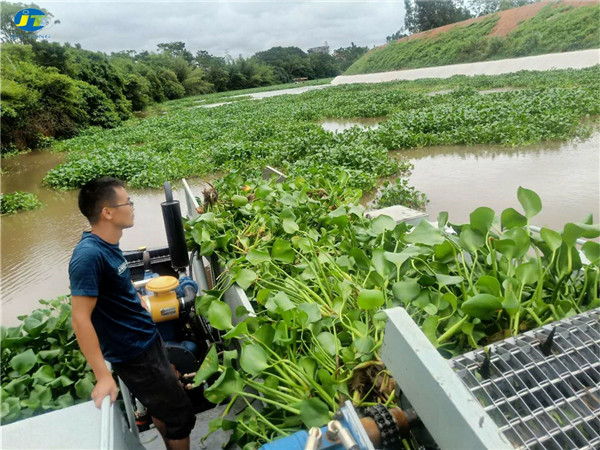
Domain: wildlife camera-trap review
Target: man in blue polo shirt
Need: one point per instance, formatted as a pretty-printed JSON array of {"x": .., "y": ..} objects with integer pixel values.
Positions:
[{"x": 110, "y": 321}]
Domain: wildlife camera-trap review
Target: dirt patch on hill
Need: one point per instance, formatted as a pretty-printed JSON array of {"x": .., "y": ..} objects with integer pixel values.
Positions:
[{"x": 509, "y": 19}]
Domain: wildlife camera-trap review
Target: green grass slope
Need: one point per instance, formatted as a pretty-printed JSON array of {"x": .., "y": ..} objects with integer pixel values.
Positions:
[{"x": 558, "y": 27}]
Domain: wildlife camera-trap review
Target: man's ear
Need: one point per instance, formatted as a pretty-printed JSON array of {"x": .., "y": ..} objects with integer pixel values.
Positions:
[{"x": 106, "y": 213}]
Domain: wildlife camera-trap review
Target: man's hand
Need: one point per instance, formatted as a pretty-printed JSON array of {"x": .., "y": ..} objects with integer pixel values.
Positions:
[{"x": 105, "y": 386}]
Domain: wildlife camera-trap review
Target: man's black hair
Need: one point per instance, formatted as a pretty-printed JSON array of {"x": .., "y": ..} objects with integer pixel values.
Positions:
[{"x": 95, "y": 194}]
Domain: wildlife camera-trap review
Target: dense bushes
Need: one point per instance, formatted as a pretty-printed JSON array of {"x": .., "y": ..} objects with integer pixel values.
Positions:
[{"x": 56, "y": 90}]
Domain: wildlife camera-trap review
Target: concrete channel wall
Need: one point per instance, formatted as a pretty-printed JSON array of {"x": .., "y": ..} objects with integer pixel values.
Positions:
[{"x": 568, "y": 60}]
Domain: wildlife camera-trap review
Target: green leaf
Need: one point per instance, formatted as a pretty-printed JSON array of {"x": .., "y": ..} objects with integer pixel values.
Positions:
[
  {"x": 552, "y": 238},
  {"x": 430, "y": 309},
  {"x": 482, "y": 306},
  {"x": 329, "y": 343},
  {"x": 44, "y": 374},
  {"x": 382, "y": 266},
  {"x": 591, "y": 250},
  {"x": 239, "y": 330},
  {"x": 288, "y": 200},
  {"x": 364, "y": 346},
  {"x": 239, "y": 201},
  {"x": 429, "y": 328},
  {"x": 360, "y": 257},
  {"x": 228, "y": 357},
  {"x": 521, "y": 240},
  {"x": 314, "y": 412},
  {"x": 510, "y": 303},
  {"x": 470, "y": 239},
  {"x": 282, "y": 251},
  {"x": 207, "y": 248},
  {"x": 283, "y": 302},
  {"x": 253, "y": 359},
  {"x": 370, "y": 299},
  {"x": 23, "y": 362},
  {"x": 528, "y": 273},
  {"x": 33, "y": 326},
  {"x": 409, "y": 252},
  {"x": 442, "y": 219},
  {"x": 302, "y": 243},
  {"x": 312, "y": 311},
  {"x": 290, "y": 226},
  {"x": 209, "y": 366},
  {"x": 574, "y": 231},
  {"x": 256, "y": 257},
  {"x": 425, "y": 234},
  {"x": 530, "y": 202},
  {"x": 406, "y": 291},
  {"x": 48, "y": 355},
  {"x": 245, "y": 278},
  {"x": 451, "y": 299},
  {"x": 62, "y": 381},
  {"x": 203, "y": 304},
  {"x": 481, "y": 219},
  {"x": 265, "y": 334},
  {"x": 219, "y": 315},
  {"x": 487, "y": 284},
  {"x": 382, "y": 223},
  {"x": 227, "y": 384},
  {"x": 511, "y": 218},
  {"x": 447, "y": 280},
  {"x": 84, "y": 388},
  {"x": 263, "y": 191},
  {"x": 308, "y": 365}
]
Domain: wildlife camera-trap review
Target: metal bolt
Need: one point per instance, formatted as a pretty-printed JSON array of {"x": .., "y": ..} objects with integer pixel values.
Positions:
[
  {"x": 314, "y": 439},
  {"x": 336, "y": 432}
]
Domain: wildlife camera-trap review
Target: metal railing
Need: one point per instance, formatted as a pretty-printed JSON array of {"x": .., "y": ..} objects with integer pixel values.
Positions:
[{"x": 108, "y": 420}]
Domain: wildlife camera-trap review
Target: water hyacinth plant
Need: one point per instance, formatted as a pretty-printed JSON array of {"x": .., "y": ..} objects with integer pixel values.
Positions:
[
  {"x": 42, "y": 366},
  {"x": 286, "y": 132},
  {"x": 18, "y": 201},
  {"x": 318, "y": 274}
]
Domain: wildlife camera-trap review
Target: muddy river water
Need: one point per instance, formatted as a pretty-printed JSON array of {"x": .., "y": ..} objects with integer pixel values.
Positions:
[{"x": 37, "y": 245}]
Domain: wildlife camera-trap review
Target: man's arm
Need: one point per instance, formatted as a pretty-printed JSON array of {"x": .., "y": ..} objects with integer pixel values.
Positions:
[{"x": 90, "y": 347}]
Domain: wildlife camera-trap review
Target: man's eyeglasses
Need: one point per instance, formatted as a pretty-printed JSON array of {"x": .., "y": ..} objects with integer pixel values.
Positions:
[{"x": 129, "y": 203}]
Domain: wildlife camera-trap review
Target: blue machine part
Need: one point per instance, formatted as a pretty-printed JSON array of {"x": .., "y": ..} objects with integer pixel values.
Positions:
[
  {"x": 349, "y": 420},
  {"x": 190, "y": 346},
  {"x": 183, "y": 282}
]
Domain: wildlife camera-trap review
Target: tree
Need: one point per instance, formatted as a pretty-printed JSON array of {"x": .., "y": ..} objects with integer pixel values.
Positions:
[
  {"x": 397, "y": 35},
  {"x": 482, "y": 7},
  {"x": 51, "y": 54},
  {"x": 292, "y": 61},
  {"x": 323, "y": 65},
  {"x": 423, "y": 15},
  {"x": 345, "y": 56},
  {"x": 176, "y": 50},
  {"x": 9, "y": 30}
]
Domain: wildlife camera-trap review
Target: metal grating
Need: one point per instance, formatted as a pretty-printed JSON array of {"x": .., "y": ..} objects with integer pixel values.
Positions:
[{"x": 538, "y": 401}]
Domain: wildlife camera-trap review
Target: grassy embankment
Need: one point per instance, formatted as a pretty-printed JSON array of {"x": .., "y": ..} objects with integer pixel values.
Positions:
[{"x": 557, "y": 27}]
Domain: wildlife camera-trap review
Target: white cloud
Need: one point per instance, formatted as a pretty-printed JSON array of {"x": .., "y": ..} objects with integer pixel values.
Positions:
[{"x": 220, "y": 27}]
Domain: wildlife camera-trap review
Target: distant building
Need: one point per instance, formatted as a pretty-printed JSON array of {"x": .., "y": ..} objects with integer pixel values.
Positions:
[{"x": 323, "y": 49}]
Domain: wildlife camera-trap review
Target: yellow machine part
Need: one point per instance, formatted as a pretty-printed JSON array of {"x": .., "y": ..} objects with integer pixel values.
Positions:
[{"x": 164, "y": 305}]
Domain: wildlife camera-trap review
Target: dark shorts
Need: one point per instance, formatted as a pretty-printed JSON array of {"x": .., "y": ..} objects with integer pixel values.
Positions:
[{"x": 152, "y": 380}]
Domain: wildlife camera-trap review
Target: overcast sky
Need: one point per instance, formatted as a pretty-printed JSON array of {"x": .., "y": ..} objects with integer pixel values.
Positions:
[{"x": 241, "y": 27}]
